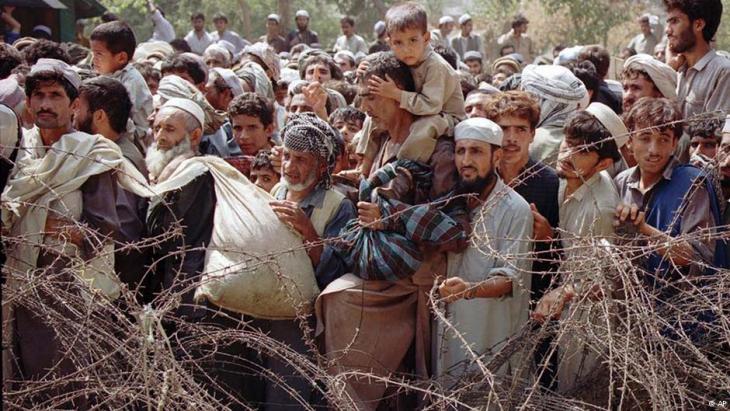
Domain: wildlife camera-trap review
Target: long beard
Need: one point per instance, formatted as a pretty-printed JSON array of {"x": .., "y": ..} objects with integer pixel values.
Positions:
[
  {"x": 476, "y": 186},
  {"x": 301, "y": 186},
  {"x": 157, "y": 159}
]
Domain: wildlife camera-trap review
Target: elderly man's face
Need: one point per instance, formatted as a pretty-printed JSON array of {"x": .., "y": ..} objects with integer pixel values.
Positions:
[
  {"x": 319, "y": 72},
  {"x": 301, "y": 170},
  {"x": 169, "y": 128},
  {"x": 50, "y": 105},
  {"x": 636, "y": 88},
  {"x": 213, "y": 60},
  {"x": 382, "y": 110}
]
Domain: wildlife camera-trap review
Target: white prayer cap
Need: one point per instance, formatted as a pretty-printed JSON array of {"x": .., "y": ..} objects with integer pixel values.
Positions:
[
  {"x": 188, "y": 106},
  {"x": 663, "y": 76},
  {"x": 59, "y": 67},
  {"x": 446, "y": 20},
  {"x": 345, "y": 53},
  {"x": 379, "y": 28},
  {"x": 227, "y": 45},
  {"x": 42, "y": 28},
  {"x": 472, "y": 55},
  {"x": 478, "y": 128},
  {"x": 230, "y": 78},
  {"x": 274, "y": 17},
  {"x": 609, "y": 119},
  {"x": 302, "y": 13},
  {"x": 464, "y": 18},
  {"x": 726, "y": 129}
]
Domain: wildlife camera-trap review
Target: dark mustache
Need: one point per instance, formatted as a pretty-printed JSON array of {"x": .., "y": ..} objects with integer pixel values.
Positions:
[{"x": 46, "y": 112}]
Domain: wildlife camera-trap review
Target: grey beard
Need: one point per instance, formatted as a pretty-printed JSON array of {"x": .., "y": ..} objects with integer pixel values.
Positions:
[
  {"x": 301, "y": 186},
  {"x": 157, "y": 159}
]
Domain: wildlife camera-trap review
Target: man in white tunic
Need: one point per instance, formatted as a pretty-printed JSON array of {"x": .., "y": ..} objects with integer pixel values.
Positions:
[{"x": 488, "y": 286}]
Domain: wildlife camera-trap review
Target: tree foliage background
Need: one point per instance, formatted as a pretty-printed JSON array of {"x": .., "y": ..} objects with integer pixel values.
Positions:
[{"x": 609, "y": 22}]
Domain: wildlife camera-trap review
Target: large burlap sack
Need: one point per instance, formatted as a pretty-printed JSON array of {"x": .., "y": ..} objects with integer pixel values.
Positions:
[{"x": 254, "y": 264}]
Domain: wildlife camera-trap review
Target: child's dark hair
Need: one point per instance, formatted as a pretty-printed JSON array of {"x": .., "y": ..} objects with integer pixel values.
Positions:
[
  {"x": 448, "y": 54},
  {"x": 406, "y": 16},
  {"x": 262, "y": 161},
  {"x": 347, "y": 114},
  {"x": 706, "y": 128},
  {"x": 584, "y": 130},
  {"x": 657, "y": 113},
  {"x": 147, "y": 70},
  {"x": 187, "y": 64},
  {"x": 45, "y": 49},
  {"x": 117, "y": 36}
]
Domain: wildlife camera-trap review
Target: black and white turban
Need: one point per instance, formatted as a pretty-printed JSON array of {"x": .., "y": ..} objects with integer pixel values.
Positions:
[{"x": 308, "y": 133}]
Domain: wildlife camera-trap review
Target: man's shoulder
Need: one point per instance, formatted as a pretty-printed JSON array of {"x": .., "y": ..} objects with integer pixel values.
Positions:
[{"x": 623, "y": 177}]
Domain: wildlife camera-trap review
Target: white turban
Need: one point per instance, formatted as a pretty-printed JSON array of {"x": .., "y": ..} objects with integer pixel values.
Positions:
[
  {"x": 663, "y": 76},
  {"x": 216, "y": 50},
  {"x": 560, "y": 92},
  {"x": 480, "y": 129},
  {"x": 230, "y": 79},
  {"x": 187, "y": 106},
  {"x": 445, "y": 20},
  {"x": 609, "y": 119}
]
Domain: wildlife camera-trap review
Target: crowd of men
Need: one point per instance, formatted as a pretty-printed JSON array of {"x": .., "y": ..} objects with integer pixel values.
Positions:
[{"x": 510, "y": 166}]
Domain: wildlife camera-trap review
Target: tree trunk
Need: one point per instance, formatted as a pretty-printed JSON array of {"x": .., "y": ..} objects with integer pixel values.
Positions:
[
  {"x": 245, "y": 11},
  {"x": 286, "y": 16},
  {"x": 382, "y": 8}
]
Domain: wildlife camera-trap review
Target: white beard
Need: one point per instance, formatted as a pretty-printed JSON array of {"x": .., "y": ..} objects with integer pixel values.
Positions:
[
  {"x": 301, "y": 186},
  {"x": 157, "y": 159}
]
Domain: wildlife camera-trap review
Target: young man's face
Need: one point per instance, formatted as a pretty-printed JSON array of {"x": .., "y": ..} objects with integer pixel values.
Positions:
[
  {"x": 220, "y": 24},
  {"x": 302, "y": 22},
  {"x": 348, "y": 129},
  {"x": 506, "y": 51},
  {"x": 447, "y": 28},
  {"x": 347, "y": 29},
  {"x": 50, "y": 106},
  {"x": 409, "y": 45},
  {"x": 576, "y": 162},
  {"x": 319, "y": 72},
  {"x": 707, "y": 146},
  {"x": 214, "y": 60},
  {"x": 679, "y": 31},
  {"x": 265, "y": 178},
  {"x": 645, "y": 27},
  {"x": 381, "y": 110},
  {"x": 517, "y": 136},
  {"x": 104, "y": 61},
  {"x": 498, "y": 78},
  {"x": 272, "y": 26},
  {"x": 466, "y": 28},
  {"x": 636, "y": 88},
  {"x": 475, "y": 67},
  {"x": 250, "y": 133},
  {"x": 474, "y": 161},
  {"x": 83, "y": 119},
  {"x": 198, "y": 24},
  {"x": 652, "y": 149}
]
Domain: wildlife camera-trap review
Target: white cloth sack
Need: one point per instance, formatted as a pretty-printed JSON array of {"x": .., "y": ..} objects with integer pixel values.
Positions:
[{"x": 254, "y": 264}]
